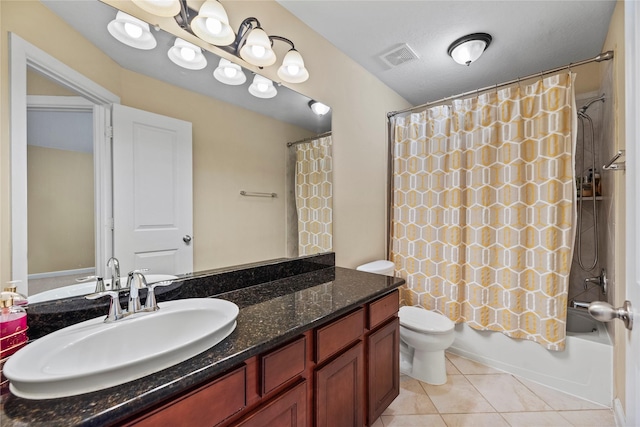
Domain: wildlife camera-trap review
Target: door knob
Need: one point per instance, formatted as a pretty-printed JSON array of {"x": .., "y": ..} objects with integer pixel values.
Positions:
[
  {"x": 605, "y": 312},
  {"x": 186, "y": 239}
]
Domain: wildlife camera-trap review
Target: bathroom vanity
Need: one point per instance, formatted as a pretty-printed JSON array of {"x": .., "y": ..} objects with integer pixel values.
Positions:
[{"x": 314, "y": 345}]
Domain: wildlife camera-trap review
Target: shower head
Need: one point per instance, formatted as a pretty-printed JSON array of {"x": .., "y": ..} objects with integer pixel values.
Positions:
[{"x": 583, "y": 110}]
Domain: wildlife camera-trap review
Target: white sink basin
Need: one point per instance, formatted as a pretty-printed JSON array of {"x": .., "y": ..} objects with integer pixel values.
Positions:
[
  {"x": 86, "y": 288},
  {"x": 94, "y": 355}
]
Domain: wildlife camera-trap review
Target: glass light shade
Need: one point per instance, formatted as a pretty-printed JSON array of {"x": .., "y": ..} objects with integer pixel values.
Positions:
[
  {"x": 469, "y": 51},
  {"x": 319, "y": 108},
  {"x": 131, "y": 31},
  {"x": 257, "y": 49},
  {"x": 212, "y": 24},
  {"x": 187, "y": 55},
  {"x": 166, "y": 8},
  {"x": 262, "y": 87},
  {"x": 292, "y": 69},
  {"x": 229, "y": 73}
]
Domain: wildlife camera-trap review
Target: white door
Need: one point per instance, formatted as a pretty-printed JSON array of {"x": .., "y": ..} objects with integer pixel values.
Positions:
[
  {"x": 152, "y": 192},
  {"x": 632, "y": 89}
]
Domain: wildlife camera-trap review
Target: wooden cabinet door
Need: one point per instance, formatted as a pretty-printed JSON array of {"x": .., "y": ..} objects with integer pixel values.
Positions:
[
  {"x": 209, "y": 405},
  {"x": 339, "y": 389},
  {"x": 384, "y": 368},
  {"x": 288, "y": 410}
]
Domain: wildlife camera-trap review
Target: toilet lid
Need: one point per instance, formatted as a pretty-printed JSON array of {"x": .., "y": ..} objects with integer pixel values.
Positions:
[
  {"x": 379, "y": 267},
  {"x": 421, "y": 320}
]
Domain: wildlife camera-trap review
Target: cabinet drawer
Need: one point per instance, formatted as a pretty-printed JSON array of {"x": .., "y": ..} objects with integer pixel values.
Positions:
[
  {"x": 383, "y": 309},
  {"x": 339, "y": 334},
  {"x": 283, "y": 364},
  {"x": 209, "y": 405}
]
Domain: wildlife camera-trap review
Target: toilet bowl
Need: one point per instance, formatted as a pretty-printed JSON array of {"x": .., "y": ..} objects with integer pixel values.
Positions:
[{"x": 424, "y": 336}]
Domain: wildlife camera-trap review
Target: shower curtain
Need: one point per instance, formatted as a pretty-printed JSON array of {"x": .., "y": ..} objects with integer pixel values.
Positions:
[
  {"x": 314, "y": 196},
  {"x": 483, "y": 210}
]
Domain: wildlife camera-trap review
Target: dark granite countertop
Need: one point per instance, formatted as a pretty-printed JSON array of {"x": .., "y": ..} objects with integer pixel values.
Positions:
[{"x": 271, "y": 313}]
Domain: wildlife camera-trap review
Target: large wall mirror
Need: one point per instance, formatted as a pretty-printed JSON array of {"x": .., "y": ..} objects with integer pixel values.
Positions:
[{"x": 240, "y": 153}]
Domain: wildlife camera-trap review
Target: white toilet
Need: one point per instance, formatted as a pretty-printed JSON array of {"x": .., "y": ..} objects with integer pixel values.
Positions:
[{"x": 424, "y": 336}]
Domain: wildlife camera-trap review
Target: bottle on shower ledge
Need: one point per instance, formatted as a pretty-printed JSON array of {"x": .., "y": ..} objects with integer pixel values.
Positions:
[{"x": 597, "y": 186}]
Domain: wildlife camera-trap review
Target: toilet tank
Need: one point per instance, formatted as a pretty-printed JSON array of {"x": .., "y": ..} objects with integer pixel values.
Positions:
[{"x": 379, "y": 267}]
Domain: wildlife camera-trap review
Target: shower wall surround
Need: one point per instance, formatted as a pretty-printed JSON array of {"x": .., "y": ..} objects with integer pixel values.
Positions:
[{"x": 602, "y": 114}]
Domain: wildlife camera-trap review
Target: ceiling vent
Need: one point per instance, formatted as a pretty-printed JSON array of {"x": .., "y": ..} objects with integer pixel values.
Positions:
[{"x": 398, "y": 55}]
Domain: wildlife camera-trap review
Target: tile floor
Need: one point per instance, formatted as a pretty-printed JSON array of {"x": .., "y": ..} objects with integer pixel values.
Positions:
[{"x": 476, "y": 395}]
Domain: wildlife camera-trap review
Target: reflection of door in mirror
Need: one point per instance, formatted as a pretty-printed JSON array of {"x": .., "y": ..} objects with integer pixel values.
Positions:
[
  {"x": 152, "y": 191},
  {"x": 60, "y": 190}
]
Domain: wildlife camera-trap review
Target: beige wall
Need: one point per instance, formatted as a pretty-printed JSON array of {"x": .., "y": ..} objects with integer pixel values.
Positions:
[
  {"x": 615, "y": 42},
  {"x": 230, "y": 154},
  {"x": 60, "y": 200}
]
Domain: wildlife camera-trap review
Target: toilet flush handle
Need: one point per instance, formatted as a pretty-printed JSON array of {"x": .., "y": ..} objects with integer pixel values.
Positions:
[{"x": 605, "y": 312}]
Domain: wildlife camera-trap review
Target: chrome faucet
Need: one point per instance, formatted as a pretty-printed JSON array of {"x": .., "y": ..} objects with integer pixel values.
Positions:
[
  {"x": 114, "y": 265},
  {"x": 135, "y": 282}
]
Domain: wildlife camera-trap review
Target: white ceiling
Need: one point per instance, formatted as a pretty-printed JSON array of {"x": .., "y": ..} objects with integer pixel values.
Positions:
[{"x": 528, "y": 37}]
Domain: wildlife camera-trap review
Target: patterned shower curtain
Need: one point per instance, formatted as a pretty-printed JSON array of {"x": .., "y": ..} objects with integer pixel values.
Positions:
[
  {"x": 314, "y": 196},
  {"x": 483, "y": 217}
]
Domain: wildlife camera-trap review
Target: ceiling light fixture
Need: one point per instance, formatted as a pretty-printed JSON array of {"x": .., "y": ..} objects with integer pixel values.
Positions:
[
  {"x": 229, "y": 73},
  {"x": 187, "y": 55},
  {"x": 468, "y": 49},
  {"x": 131, "y": 31},
  {"x": 262, "y": 87},
  {"x": 319, "y": 108},
  {"x": 165, "y": 8}
]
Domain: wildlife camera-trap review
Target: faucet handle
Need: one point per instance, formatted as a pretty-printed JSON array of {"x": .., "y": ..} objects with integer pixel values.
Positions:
[
  {"x": 99, "y": 282},
  {"x": 115, "y": 310},
  {"x": 151, "y": 304}
]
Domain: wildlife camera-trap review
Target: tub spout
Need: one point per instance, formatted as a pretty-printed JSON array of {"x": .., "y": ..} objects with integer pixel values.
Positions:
[{"x": 580, "y": 304}]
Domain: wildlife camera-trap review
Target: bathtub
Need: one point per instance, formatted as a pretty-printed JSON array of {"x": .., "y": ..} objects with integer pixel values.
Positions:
[{"x": 584, "y": 369}]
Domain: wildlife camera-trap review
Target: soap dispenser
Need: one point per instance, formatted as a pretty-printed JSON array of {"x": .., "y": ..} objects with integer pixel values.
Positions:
[
  {"x": 11, "y": 290},
  {"x": 13, "y": 325}
]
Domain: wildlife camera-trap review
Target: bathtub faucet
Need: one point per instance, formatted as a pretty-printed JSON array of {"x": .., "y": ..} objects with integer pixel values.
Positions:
[{"x": 580, "y": 304}]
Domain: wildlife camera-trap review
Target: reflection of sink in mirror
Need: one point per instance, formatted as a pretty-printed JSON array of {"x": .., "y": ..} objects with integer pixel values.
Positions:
[
  {"x": 94, "y": 355},
  {"x": 88, "y": 288}
]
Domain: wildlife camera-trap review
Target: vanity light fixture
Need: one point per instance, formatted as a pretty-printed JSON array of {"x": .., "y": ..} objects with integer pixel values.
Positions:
[
  {"x": 251, "y": 43},
  {"x": 164, "y": 8},
  {"x": 319, "y": 108},
  {"x": 131, "y": 31},
  {"x": 292, "y": 69},
  {"x": 229, "y": 73},
  {"x": 212, "y": 24},
  {"x": 187, "y": 55},
  {"x": 257, "y": 48},
  {"x": 262, "y": 87},
  {"x": 467, "y": 49}
]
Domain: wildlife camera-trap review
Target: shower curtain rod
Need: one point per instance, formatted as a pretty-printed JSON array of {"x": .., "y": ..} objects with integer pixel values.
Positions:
[
  {"x": 311, "y": 138},
  {"x": 606, "y": 56}
]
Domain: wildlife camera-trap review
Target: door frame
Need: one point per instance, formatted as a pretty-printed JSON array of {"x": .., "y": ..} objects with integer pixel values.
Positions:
[
  {"x": 632, "y": 136},
  {"x": 23, "y": 55}
]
